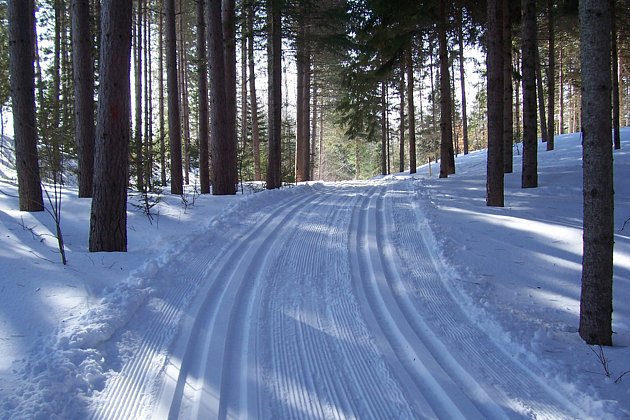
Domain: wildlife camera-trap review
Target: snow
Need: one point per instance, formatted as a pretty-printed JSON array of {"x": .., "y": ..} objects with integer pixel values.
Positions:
[{"x": 398, "y": 297}]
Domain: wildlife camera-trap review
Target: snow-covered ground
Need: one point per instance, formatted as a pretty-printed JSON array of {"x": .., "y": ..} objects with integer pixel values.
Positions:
[{"x": 399, "y": 297}]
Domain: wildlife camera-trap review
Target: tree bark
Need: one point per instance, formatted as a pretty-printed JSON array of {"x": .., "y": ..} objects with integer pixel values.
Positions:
[
  {"x": 108, "y": 218},
  {"x": 551, "y": 79},
  {"x": 541, "y": 98},
  {"x": 447, "y": 155},
  {"x": 274, "y": 89},
  {"x": 496, "y": 94},
  {"x": 530, "y": 139},
  {"x": 401, "y": 92},
  {"x": 252, "y": 92},
  {"x": 83, "y": 93},
  {"x": 410, "y": 111},
  {"x": 138, "y": 93},
  {"x": 21, "y": 14},
  {"x": 615, "y": 78},
  {"x": 174, "y": 121},
  {"x": 598, "y": 236},
  {"x": 462, "y": 79},
  {"x": 202, "y": 73},
  {"x": 228, "y": 21},
  {"x": 383, "y": 129},
  {"x": 508, "y": 113},
  {"x": 161, "y": 94}
]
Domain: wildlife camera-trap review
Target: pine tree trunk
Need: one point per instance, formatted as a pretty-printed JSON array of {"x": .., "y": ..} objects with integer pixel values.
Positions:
[
  {"x": 202, "y": 73},
  {"x": 274, "y": 54},
  {"x": 300, "y": 143},
  {"x": 411, "y": 110},
  {"x": 561, "y": 94},
  {"x": 598, "y": 236},
  {"x": 383, "y": 130},
  {"x": 229, "y": 40},
  {"x": 148, "y": 103},
  {"x": 83, "y": 93},
  {"x": 530, "y": 138},
  {"x": 174, "y": 121},
  {"x": 313, "y": 140},
  {"x": 252, "y": 92},
  {"x": 551, "y": 80},
  {"x": 108, "y": 219},
  {"x": 183, "y": 90},
  {"x": 447, "y": 155},
  {"x": 615, "y": 78},
  {"x": 138, "y": 92},
  {"x": 541, "y": 98},
  {"x": 21, "y": 16},
  {"x": 161, "y": 94},
  {"x": 462, "y": 80},
  {"x": 496, "y": 95},
  {"x": 508, "y": 113},
  {"x": 401, "y": 92}
]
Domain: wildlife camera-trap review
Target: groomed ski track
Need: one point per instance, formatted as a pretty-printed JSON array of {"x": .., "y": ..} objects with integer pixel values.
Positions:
[{"x": 329, "y": 302}]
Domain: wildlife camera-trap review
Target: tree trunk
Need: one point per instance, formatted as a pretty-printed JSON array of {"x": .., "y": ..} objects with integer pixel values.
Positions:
[
  {"x": 496, "y": 94},
  {"x": 183, "y": 90},
  {"x": 462, "y": 80},
  {"x": 541, "y": 98},
  {"x": 314, "y": 126},
  {"x": 83, "y": 93},
  {"x": 508, "y": 114},
  {"x": 202, "y": 73},
  {"x": 228, "y": 21},
  {"x": 148, "y": 103},
  {"x": 301, "y": 153},
  {"x": 174, "y": 121},
  {"x": 21, "y": 16},
  {"x": 447, "y": 156},
  {"x": 561, "y": 94},
  {"x": 161, "y": 94},
  {"x": 138, "y": 92},
  {"x": 383, "y": 130},
  {"x": 551, "y": 80},
  {"x": 401, "y": 92},
  {"x": 598, "y": 236},
  {"x": 108, "y": 219},
  {"x": 274, "y": 89},
  {"x": 530, "y": 138},
  {"x": 411, "y": 110},
  {"x": 615, "y": 78},
  {"x": 252, "y": 92}
]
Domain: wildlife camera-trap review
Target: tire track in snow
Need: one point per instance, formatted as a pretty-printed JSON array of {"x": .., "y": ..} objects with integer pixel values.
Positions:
[
  {"x": 196, "y": 391},
  {"x": 458, "y": 344}
]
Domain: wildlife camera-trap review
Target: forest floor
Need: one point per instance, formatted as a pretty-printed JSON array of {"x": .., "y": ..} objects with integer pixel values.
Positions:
[{"x": 398, "y": 297}]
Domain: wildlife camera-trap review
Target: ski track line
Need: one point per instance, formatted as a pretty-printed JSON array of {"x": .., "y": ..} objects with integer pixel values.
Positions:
[
  {"x": 193, "y": 391},
  {"x": 121, "y": 395},
  {"x": 446, "y": 317}
]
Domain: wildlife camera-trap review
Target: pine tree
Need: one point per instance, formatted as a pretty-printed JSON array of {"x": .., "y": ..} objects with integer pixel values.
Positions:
[
  {"x": 274, "y": 92},
  {"x": 530, "y": 138},
  {"x": 174, "y": 121}
]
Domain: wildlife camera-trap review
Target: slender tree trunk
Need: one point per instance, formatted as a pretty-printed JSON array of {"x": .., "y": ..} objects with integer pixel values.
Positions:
[
  {"x": 229, "y": 40},
  {"x": 300, "y": 143},
  {"x": 252, "y": 92},
  {"x": 561, "y": 94},
  {"x": 202, "y": 73},
  {"x": 313, "y": 140},
  {"x": 161, "y": 94},
  {"x": 274, "y": 54},
  {"x": 517, "y": 103},
  {"x": 174, "y": 121},
  {"x": 401, "y": 91},
  {"x": 496, "y": 94},
  {"x": 383, "y": 130},
  {"x": 108, "y": 219},
  {"x": 615, "y": 78},
  {"x": 243, "y": 87},
  {"x": 508, "y": 115},
  {"x": 83, "y": 93},
  {"x": 462, "y": 75},
  {"x": 320, "y": 167},
  {"x": 597, "y": 262},
  {"x": 148, "y": 102},
  {"x": 447, "y": 162},
  {"x": 411, "y": 111},
  {"x": 183, "y": 89},
  {"x": 21, "y": 14},
  {"x": 138, "y": 93},
  {"x": 541, "y": 98},
  {"x": 551, "y": 79},
  {"x": 530, "y": 140}
]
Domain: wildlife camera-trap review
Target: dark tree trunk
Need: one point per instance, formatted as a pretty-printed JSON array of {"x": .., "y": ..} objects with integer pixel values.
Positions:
[
  {"x": 530, "y": 138},
  {"x": 228, "y": 21},
  {"x": 174, "y": 121},
  {"x": 313, "y": 133},
  {"x": 447, "y": 155},
  {"x": 561, "y": 93},
  {"x": 161, "y": 94},
  {"x": 252, "y": 92},
  {"x": 598, "y": 236},
  {"x": 411, "y": 111},
  {"x": 108, "y": 219},
  {"x": 494, "y": 186},
  {"x": 462, "y": 79},
  {"x": 551, "y": 80},
  {"x": 301, "y": 149},
  {"x": 541, "y": 98},
  {"x": 383, "y": 129},
  {"x": 401, "y": 91},
  {"x": 274, "y": 54},
  {"x": 21, "y": 14},
  {"x": 83, "y": 93},
  {"x": 508, "y": 113},
  {"x": 138, "y": 92},
  {"x": 202, "y": 72},
  {"x": 615, "y": 78}
]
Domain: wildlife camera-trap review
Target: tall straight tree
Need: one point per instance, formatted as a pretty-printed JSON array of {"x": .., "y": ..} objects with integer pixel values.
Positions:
[
  {"x": 302, "y": 158},
  {"x": 138, "y": 82},
  {"x": 447, "y": 155},
  {"x": 161, "y": 93},
  {"x": 530, "y": 138},
  {"x": 108, "y": 218},
  {"x": 615, "y": 77},
  {"x": 401, "y": 91},
  {"x": 462, "y": 78},
  {"x": 495, "y": 183},
  {"x": 229, "y": 41},
  {"x": 252, "y": 90},
  {"x": 174, "y": 120},
  {"x": 598, "y": 232},
  {"x": 551, "y": 79},
  {"x": 221, "y": 142},
  {"x": 21, "y": 15},
  {"x": 274, "y": 92},
  {"x": 508, "y": 114},
  {"x": 83, "y": 93},
  {"x": 410, "y": 110},
  {"x": 202, "y": 74}
]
